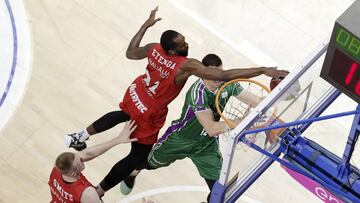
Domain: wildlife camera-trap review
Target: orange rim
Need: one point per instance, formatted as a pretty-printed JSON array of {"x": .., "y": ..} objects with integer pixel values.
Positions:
[{"x": 228, "y": 122}]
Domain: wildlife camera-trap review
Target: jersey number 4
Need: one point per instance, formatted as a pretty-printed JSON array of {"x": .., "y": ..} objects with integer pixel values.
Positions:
[{"x": 147, "y": 82}]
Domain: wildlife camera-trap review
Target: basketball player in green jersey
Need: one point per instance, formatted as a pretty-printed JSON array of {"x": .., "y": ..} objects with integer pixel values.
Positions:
[{"x": 194, "y": 134}]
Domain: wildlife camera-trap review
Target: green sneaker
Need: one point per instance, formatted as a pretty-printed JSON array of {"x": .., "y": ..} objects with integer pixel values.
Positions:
[{"x": 127, "y": 185}]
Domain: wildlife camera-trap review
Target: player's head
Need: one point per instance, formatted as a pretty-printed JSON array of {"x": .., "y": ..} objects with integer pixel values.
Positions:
[
  {"x": 213, "y": 61},
  {"x": 69, "y": 164},
  {"x": 174, "y": 43}
]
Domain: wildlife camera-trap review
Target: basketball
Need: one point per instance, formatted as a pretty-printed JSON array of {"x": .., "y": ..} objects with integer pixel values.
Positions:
[
  {"x": 291, "y": 93},
  {"x": 274, "y": 82}
]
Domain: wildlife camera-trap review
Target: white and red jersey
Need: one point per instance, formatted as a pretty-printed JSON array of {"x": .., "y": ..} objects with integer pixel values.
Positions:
[
  {"x": 147, "y": 97},
  {"x": 64, "y": 192}
]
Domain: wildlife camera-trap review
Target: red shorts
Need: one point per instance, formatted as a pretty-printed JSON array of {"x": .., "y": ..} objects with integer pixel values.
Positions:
[{"x": 149, "y": 117}]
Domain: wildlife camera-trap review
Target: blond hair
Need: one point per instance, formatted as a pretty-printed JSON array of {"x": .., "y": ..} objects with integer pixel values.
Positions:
[{"x": 64, "y": 162}]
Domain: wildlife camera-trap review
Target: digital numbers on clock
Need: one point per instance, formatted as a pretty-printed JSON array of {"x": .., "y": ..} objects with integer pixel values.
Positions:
[
  {"x": 345, "y": 72},
  {"x": 348, "y": 42},
  {"x": 341, "y": 66},
  {"x": 349, "y": 77}
]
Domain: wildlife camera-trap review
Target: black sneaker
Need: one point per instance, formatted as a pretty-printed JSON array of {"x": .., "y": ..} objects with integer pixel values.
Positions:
[
  {"x": 127, "y": 185},
  {"x": 73, "y": 140}
]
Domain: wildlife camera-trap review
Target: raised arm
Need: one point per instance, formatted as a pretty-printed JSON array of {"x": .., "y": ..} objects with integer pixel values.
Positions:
[
  {"x": 134, "y": 51},
  {"x": 99, "y": 149},
  {"x": 195, "y": 67}
]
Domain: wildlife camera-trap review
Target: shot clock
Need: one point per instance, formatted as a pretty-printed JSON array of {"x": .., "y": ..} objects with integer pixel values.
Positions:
[{"x": 342, "y": 62}]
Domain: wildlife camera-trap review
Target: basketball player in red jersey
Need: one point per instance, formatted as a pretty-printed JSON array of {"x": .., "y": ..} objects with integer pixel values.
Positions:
[
  {"x": 146, "y": 99},
  {"x": 67, "y": 183}
]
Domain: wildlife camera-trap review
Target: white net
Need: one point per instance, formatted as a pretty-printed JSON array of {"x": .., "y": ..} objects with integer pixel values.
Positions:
[{"x": 239, "y": 106}]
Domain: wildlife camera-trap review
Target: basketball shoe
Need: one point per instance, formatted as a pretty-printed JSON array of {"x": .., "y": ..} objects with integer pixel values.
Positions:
[
  {"x": 127, "y": 184},
  {"x": 73, "y": 141}
]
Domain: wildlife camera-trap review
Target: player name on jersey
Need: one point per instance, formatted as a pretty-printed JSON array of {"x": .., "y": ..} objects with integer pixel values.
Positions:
[
  {"x": 60, "y": 193},
  {"x": 163, "y": 62}
]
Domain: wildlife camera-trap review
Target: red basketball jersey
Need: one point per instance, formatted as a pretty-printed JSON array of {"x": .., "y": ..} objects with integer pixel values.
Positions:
[
  {"x": 62, "y": 191},
  {"x": 159, "y": 77},
  {"x": 147, "y": 97}
]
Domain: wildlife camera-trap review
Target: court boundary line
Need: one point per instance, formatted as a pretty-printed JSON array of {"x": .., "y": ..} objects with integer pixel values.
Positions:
[
  {"x": 21, "y": 64},
  {"x": 15, "y": 48},
  {"x": 176, "y": 188}
]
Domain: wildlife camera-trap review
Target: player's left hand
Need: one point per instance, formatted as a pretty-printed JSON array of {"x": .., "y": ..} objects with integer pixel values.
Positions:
[
  {"x": 151, "y": 20},
  {"x": 124, "y": 136},
  {"x": 272, "y": 72}
]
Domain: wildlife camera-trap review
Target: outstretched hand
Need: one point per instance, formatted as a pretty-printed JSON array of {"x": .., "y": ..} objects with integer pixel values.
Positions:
[
  {"x": 151, "y": 20},
  {"x": 124, "y": 136},
  {"x": 272, "y": 72}
]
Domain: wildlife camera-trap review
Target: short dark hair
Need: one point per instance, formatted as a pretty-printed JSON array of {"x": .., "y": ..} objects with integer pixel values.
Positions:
[
  {"x": 212, "y": 60},
  {"x": 64, "y": 162},
  {"x": 167, "y": 40}
]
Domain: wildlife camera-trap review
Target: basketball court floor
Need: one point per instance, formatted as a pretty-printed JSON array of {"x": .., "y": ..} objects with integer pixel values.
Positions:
[{"x": 63, "y": 65}]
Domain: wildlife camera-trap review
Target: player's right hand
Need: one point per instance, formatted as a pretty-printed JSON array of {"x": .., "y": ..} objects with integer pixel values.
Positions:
[{"x": 151, "y": 20}]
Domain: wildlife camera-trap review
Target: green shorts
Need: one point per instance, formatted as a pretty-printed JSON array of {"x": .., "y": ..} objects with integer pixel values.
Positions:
[{"x": 204, "y": 153}]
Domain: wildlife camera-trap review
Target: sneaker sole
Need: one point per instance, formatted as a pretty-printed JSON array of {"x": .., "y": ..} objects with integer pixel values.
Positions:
[{"x": 67, "y": 140}]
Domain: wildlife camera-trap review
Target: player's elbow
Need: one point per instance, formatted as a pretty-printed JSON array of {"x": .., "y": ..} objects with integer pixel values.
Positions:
[
  {"x": 135, "y": 54},
  {"x": 212, "y": 132},
  {"x": 88, "y": 155},
  {"x": 130, "y": 55}
]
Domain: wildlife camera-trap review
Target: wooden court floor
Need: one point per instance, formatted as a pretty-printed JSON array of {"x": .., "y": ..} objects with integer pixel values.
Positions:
[{"x": 79, "y": 73}]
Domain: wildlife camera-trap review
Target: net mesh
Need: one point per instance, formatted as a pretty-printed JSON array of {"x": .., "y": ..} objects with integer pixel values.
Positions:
[{"x": 239, "y": 106}]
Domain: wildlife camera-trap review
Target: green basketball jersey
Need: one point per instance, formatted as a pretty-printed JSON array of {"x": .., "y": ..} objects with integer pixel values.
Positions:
[{"x": 199, "y": 98}]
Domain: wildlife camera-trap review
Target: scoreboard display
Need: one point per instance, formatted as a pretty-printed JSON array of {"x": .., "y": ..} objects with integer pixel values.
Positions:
[{"x": 341, "y": 67}]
